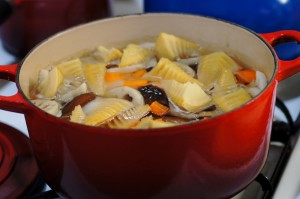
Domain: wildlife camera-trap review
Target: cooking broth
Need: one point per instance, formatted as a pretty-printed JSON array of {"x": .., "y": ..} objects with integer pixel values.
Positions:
[{"x": 164, "y": 83}]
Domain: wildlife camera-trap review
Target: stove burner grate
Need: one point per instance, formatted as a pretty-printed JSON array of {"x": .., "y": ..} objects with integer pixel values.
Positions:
[{"x": 282, "y": 143}]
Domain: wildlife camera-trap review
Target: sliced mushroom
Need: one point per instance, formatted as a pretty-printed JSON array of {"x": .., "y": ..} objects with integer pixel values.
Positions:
[
  {"x": 79, "y": 100},
  {"x": 186, "y": 68},
  {"x": 189, "y": 61}
]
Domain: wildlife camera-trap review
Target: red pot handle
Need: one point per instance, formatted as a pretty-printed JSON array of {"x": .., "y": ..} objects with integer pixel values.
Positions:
[
  {"x": 286, "y": 68},
  {"x": 16, "y": 102}
]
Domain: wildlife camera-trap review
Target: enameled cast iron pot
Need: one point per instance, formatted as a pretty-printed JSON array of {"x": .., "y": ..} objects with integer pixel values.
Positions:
[{"x": 214, "y": 158}]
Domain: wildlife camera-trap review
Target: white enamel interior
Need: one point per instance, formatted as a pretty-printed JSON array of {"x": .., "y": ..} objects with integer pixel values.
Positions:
[{"x": 208, "y": 33}]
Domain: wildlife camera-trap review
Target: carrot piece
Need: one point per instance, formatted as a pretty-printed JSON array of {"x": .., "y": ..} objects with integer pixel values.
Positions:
[
  {"x": 114, "y": 76},
  {"x": 158, "y": 108},
  {"x": 245, "y": 76},
  {"x": 139, "y": 73},
  {"x": 135, "y": 83}
]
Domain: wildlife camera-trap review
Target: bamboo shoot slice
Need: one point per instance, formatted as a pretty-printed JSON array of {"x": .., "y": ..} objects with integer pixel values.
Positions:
[
  {"x": 133, "y": 54},
  {"x": 108, "y": 55},
  {"x": 128, "y": 118},
  {"x": 71, "y": 68},
  {"x": 189, "y": 96},
  {"x": 49, "y": 106},
  {"x": 211, "y": 67},
  {"x": 231, "y": 100},
  {"x": 95, "y": 76},
  {"x": 209, "y": 73},
  {"x": 145, "y": 123},
  {"x": 161, "y": 124},
  {"x": 77, "y": 115},
  {"x": 102, "y": 109},
  {"x": 173, "y": 47},
  {"x": 50, "y": 84},
  {"x": 168, "y": 70},
  {"x": 148, "y": 122},
  {"x": 226, "y": 81}
]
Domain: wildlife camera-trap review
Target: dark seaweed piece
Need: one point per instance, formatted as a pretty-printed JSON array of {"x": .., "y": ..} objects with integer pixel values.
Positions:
[
  {"x": 149, "y": 69},
  {"x": 153, "y": 93},
  {"x": 194, "y": 67},
  {"x": 108, "y": 66},
  {"x": 210, "y": 108}
]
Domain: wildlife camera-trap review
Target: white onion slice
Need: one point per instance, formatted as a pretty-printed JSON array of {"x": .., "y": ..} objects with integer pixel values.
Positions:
[
  {"x": 123, "y": 91},
  {"x": 178, "y": 112},
  {"x": 186, "y": 68},
  {"x": 66, "y": 97},
  {"x": 261, "y": 80},
  {"x": 152, "y": 62},
  {"x": 189, "y": 61},
  {"x": 253, "y": 91}
]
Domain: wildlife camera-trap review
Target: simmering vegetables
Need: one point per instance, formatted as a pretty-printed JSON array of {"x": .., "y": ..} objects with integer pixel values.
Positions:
[{"x": 145, "y": 85}]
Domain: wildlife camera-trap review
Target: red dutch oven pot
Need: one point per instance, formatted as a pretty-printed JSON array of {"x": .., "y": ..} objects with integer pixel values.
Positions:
[{"x": 214, "y": 158}]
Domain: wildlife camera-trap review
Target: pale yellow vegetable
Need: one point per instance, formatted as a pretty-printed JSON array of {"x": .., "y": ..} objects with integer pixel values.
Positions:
[
  {"x": 173, "y": 47},
  {"x": 50, "y": 106},
  {"x": 95, "y": 76},
  {"x": 212, "y": 66},
  {"x": 228, "y": 101},
  {"x": 77, "y": 115},
  {"x": 133, "y": 54},
  {"x": 49, "y": 82},
  {"x": 100, "y": 110},
  {"x": 168, "y": 70},
  {"x": 226, "y": 81},
  {"x": 108, "y": 55},
  {"x": 71, "y": 68},
  {"x": 161, "y": 124},
  {"x": 145, "y": 123},
  {"x": 148, "y": 122},
  {"x": 189, "y": 96},
  {"x": 129, "y": 118}
]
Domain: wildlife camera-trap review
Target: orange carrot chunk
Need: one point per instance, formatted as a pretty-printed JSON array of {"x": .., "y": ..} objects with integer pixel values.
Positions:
[
  {"x": 136, "y": 83},
  {"x": 114, "y": 76},
  {"x": 139, "y": 73},
  {"x": 245, "y": 76},
  {"x": 158, "y": 108}
]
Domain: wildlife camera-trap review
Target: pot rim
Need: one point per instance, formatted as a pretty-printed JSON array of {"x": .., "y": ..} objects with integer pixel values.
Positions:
[{"x": 154, "y": 131}]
